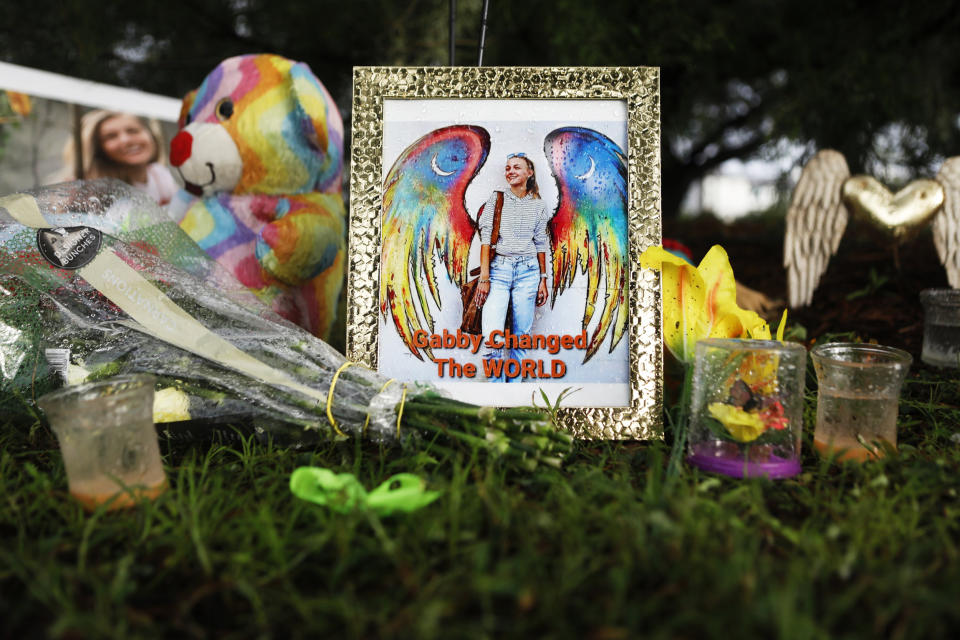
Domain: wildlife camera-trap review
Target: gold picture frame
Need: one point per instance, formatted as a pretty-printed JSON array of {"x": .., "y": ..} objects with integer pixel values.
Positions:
[{"x": 423, "y": 97}]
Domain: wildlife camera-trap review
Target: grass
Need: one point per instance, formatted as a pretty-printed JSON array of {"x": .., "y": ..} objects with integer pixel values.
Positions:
[{"x": 603, "y": 548}]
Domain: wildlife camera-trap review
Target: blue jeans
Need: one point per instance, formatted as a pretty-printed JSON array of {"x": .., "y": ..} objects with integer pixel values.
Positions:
[{"x": 513, "y": 281}]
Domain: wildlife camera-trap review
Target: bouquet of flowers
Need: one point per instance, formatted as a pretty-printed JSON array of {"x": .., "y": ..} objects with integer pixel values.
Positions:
[{"x": 96, "y": 280}]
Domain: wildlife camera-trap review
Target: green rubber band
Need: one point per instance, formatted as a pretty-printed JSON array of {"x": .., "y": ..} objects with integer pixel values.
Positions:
[{"x": 343, "y": 493}]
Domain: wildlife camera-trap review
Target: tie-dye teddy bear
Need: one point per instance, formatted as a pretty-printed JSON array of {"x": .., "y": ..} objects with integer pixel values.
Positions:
[{"x": 260, "y": 154}]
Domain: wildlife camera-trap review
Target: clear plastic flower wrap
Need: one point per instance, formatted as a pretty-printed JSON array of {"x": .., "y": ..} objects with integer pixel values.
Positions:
[{"x": 96, "y": 281}]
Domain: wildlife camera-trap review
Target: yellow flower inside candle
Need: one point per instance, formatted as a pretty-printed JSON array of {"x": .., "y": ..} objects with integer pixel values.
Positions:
[{"x": 744, "y": 426}]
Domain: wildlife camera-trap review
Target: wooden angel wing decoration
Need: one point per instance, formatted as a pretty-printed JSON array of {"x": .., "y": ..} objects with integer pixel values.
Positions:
[
  {"x": 826, "y": 195},
  {"x": 946, "y": 225},
  {"x": 816, "y": 220}
]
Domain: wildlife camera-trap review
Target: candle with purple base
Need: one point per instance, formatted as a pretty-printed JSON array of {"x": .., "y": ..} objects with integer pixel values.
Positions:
[{"x": 746, "y": 411}]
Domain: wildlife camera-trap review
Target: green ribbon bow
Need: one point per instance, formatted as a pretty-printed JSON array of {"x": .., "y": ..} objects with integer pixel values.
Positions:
[{"x": 342, "y": 492}]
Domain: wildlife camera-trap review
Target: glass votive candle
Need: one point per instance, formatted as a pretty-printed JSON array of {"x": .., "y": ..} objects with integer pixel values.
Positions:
[
  {"x": 109, "y": 445},
  {"x": 746, "y": 409},
  {"x": 941, "y": 327},
  {"x": 858, "y": 398}
]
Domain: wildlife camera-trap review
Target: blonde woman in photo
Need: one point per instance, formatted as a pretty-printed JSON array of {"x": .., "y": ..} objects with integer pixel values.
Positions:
[
  {"x": 120, "y": 145},
  {"x": 516, "y": 278}
]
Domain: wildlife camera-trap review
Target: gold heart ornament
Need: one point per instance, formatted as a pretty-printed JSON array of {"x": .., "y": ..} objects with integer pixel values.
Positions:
[{"x": 899, "y": 214}]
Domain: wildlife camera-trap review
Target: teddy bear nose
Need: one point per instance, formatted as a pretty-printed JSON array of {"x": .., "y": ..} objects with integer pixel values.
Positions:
[{"x": 180, "y": 148}]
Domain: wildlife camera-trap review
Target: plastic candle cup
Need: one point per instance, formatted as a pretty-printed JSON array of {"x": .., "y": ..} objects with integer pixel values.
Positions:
[
  {"x": 746, "y": 409},
  {"x": 941, "y": 327},
  {"x": 109, "y": 445},
  {"x": 858, "y": 398}
]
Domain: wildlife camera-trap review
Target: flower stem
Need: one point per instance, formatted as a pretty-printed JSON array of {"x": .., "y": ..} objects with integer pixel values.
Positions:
[{"x": 680, "y": 425}]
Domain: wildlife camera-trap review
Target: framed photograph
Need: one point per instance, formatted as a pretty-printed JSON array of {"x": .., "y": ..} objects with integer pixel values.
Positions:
[{"x": 538, "y": 186}]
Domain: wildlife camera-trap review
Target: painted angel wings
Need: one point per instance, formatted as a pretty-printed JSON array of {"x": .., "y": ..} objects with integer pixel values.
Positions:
[
  {"x": 825, "y": 197},
  {"x": 424, "y": 212},
  {"x": 589, "y": 229}
]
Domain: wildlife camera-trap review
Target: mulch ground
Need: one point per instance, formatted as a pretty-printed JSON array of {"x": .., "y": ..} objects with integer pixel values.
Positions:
[{"x": 863, "y": 291}]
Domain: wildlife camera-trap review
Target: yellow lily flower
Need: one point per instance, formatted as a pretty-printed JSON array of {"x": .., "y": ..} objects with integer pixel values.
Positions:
[
  {"x": 759, "y": 370},
  {"x": 700, "y": 302}
]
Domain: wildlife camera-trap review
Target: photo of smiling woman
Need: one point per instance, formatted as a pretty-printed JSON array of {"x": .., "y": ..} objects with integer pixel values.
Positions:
[
  {"x": 516, "y": 277},
  {"x": 122, "y": 146},
  {"x": 550, "y": 324}
]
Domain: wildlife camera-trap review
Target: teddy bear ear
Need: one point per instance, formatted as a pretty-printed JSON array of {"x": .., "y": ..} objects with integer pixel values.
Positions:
[
  {"x": 313, "y": 99},
  {"x": 323, "y": 115},
  {"x": 185, "y": 108}
]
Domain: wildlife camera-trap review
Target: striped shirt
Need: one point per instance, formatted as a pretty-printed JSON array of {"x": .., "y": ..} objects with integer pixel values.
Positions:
[{"x": 523, "y": 225}]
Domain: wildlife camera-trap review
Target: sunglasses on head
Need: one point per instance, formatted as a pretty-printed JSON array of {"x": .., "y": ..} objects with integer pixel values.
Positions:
[{"x": 517, "y": 155}]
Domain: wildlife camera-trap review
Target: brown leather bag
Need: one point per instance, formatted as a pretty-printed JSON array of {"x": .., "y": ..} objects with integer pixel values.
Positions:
[{"x": 472, "y": 321}]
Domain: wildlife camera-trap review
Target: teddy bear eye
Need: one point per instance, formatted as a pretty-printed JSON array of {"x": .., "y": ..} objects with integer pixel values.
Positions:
[{"x": 224, "y": 109}]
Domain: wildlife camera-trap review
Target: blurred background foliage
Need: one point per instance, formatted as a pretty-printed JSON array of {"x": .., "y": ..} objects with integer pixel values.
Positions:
[{"x": 879, "y": 81}]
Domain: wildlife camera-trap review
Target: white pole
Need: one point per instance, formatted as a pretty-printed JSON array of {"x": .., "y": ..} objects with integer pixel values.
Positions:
[{"x": 54, "y": 86}]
